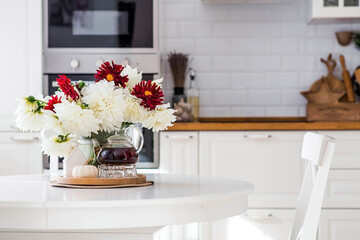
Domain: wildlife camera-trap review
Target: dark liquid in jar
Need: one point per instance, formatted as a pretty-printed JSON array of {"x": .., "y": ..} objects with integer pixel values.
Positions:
[{"x": 118, "y": 156}]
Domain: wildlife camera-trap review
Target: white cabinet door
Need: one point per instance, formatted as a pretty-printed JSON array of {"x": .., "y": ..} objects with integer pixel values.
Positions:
[
  {"x": 347, "y": 149},
  {"x": 20, "y": 153},
  {"x": 270, "y": 160},
  {"x": 339, "y": 225},
  {"x": 20, "y": 48},
  {"x": 255, "y": 224},
  {"x": 343, "y": 189},
  {"x": 179, "y": 152},
  {"x": 335, "y": 9}
]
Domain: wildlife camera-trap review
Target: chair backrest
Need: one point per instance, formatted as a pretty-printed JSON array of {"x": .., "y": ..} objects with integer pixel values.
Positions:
[{"x": 318, "y": 150}]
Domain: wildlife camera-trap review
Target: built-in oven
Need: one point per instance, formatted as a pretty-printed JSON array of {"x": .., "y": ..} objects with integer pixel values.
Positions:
[{"x": 80, "y": 35}]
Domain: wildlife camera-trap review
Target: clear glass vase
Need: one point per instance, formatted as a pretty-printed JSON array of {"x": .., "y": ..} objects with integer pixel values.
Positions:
[{"x": 118, "y": 157}]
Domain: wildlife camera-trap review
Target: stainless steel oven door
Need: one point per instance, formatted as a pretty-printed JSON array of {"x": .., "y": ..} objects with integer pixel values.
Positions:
[
  {"x": 149, "y": 155},
  {"x": 98, "y": 26}
]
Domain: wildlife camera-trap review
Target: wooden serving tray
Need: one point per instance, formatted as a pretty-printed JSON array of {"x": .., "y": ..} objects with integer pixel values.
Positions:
[{"x": 140, "y": 179}]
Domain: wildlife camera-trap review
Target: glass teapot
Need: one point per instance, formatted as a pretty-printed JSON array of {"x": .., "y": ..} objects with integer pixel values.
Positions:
[{"x": 118, "y": 157}]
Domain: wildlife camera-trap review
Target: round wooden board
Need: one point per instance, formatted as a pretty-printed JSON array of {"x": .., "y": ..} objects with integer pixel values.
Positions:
[
  {"x": 102, "y": 181},
  {"x": 54, "y": 183}
]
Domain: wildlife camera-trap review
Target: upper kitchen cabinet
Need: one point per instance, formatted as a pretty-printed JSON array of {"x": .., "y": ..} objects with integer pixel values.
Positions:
[
  {"x": 20, "y": 62},
  {"x": 335, "y": 9}
]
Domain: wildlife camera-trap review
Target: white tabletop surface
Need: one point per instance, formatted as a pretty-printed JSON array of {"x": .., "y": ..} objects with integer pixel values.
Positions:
[{"x": 28, "y": 202}]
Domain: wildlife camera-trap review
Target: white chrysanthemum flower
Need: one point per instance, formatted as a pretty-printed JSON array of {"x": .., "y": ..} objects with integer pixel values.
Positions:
[
  {"x": 133, "y": 76},
  {"x": 29, "y": 115},
  {"x": 159, "y": 119},
  {"x": 158, "y": 81},
  {"x": 133, "y": 112},
  {"x": 53, "y": 122},
  {"x": 60, "y": 145},
  {"x": 107, "y": 102},
  {"x": 75, "y": 119}
]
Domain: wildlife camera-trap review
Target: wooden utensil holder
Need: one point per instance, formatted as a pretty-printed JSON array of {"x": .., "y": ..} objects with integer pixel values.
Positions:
[{"x": 327, "y": 112}]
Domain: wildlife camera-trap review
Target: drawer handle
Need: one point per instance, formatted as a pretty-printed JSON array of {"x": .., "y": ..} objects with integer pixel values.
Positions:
[
  {"x": 259, "y": 216},
  {"x": 179, "y": 137},
  {"x": 14, "y": 127},
  {"x": 257, "y": 136},
  {"x": 25, "y": 139}
]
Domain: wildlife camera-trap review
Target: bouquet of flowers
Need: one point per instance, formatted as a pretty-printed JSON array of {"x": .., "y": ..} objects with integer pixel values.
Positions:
[{"x": 117, "y": 99}]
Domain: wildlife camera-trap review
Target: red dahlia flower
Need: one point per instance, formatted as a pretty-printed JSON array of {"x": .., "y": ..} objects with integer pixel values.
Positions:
[
  {"x": 111, "y": 73},
  {"x": 150, "y": 93},
  {"x": 50, "y": 104},
  {"x": 66, "y": 87}
]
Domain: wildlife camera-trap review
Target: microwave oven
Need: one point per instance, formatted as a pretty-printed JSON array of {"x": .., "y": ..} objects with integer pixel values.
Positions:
[{"x": 98, "y": 26}]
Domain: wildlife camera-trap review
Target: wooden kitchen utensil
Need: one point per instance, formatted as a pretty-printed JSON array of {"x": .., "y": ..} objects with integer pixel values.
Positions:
[
  {"x": 323, "y": 94},
  {"x": 357, "y": 75},
  {"x": 347, "y": 80},
  {"x": 331, "y": 80}
]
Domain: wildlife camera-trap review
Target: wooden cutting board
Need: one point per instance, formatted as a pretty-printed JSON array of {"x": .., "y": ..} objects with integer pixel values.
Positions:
[{"x": 140, "y": 179}]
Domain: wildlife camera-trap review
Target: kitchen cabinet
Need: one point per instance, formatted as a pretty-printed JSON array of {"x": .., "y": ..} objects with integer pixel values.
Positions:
[
  {"x": 21, "y": 75},
  {"x": 271, "y": 161},
  {"x": 339, "y": 224},
  {"x": 179, "y": 152},
  {"x": 20, "y": 62},
  {"x": 20, "y": 153},
  {"x": 326, "y": 9}
]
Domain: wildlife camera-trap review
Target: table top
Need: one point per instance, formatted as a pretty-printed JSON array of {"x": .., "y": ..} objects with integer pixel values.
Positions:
[{"x": 29, "y": 202}]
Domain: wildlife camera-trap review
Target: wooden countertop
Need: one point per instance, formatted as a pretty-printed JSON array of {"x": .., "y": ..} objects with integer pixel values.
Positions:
[{"x": 233, "y": 124}]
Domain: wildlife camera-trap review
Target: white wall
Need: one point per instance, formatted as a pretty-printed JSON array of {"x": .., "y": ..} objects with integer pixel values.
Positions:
[{"x": 251, "y": 59}]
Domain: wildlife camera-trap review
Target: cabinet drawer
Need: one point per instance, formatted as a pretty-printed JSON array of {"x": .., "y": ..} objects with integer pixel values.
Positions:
[
  {"x": 339, "y": 225},
  {"x": 347, "y": 149},
  {"x": 255, "y": 224},
  {"x": 270, "y": 160},
  {"x": 343, "y": 189}
]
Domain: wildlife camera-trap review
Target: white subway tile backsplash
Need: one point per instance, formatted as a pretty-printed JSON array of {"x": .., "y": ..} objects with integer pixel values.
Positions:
[
  {"x": 251, "y": 59},
  {"x": 264, "y": 97},
  {"x": 193, "y": 29},
  {"x": 299, "y": 63},
  {"x": 230, "y": 63},
  {"x": 230, "y": 97},
  {"x": 265, "y": 63},
  {"x": 212, "y": 46},
  {"x": 264, "y": 29},
  {"x": 247, "y": 13},
  {"x": 282, "y": 12},
  {"x": 298, "y": 29},
  {"x": 247, "y": 80},
  {"x": 281, "y": 45},
  {"x": 291, "y": 111},
  {"x": 180, "y": 45},
  {"x": 202, "y": 63},
  {"x": 206, "y": 98},
  {"x": 179, "y": 12},
  {"x": 247, "y": 111},
  {"x": 214, "y": 111},
  {"x": 281, "y": 80},
  {"x": 213, "y": 80},
  {"x": 293, "y": 97},
  {"x": 316, "y": 45},
  {"x": 247, "y": 46},
  {"x": 229, "y": 29},
  {"x": 212, "y": 12}
]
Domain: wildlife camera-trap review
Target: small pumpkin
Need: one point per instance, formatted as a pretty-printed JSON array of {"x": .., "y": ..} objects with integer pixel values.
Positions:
[{"x": 87, "y": 171}]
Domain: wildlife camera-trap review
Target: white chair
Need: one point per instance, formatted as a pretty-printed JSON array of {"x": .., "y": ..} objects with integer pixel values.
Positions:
[{"x": 318, "y": 150}]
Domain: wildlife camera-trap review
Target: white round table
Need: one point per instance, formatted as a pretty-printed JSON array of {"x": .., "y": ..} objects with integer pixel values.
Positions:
[{"x": 28, "y": 203}]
